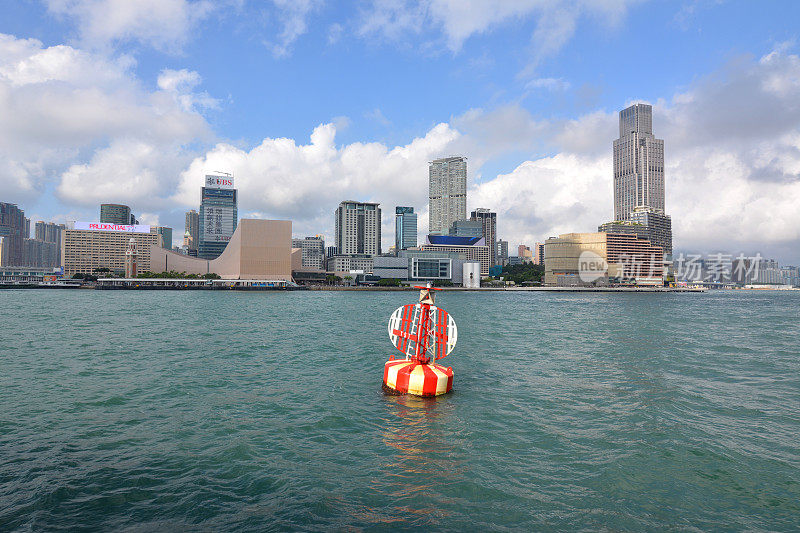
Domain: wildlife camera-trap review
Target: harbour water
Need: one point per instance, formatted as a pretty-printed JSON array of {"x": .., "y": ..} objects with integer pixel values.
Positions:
[{"x": 216, "y": 411}]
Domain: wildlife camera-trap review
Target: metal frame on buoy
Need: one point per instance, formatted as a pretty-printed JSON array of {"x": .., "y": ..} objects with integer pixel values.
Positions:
[{"x": 424, "y": 333}]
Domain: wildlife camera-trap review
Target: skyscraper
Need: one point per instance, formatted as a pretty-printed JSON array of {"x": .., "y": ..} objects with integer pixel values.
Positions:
[
  {"x": 405, "y": 228},
  {"x": 639, "y": 180},
  {"x": 166, "y": 236},
  {"x": 447, "y": 193},
  {"x": 116, "y": 214},
  {"x": 218, "y": 217},
  {"x": 40, "y": 254},
  {"x": 45, "y": 249},
  {"x": 538, "y": 253},
  {"x": 14, "y": 228},
  {"x": 48, "y": 232},
  {"x": 192, "y": 234},
  {"x": 638, "y": 163},
  {"x": 358, "y": 228},
  {"x": 502, "y": 252},
  {"x": 489, "y": 220}
]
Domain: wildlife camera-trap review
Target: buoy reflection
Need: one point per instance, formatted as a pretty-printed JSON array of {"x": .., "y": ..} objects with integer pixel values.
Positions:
[{"x": 422, "y": 460}]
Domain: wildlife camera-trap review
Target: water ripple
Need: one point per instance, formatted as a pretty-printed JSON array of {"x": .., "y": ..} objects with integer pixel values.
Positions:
[{"x": 250, "y": 411}]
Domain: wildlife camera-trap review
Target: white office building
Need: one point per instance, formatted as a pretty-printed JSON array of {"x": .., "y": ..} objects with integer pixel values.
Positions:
[
  {"x": 447, "y": 194},
  {"x": 358, "y": 228}
]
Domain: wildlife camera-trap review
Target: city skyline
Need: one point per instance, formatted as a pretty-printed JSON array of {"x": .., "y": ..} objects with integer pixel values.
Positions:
[{"x": 537, "y": 126}]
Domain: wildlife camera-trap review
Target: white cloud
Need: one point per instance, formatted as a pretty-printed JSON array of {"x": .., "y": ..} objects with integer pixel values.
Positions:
[
  {"x": 151, "y": 219},
  {"x": 551, "y": 84},
  {"x": 279, "y": 178},
  {"x": 59, "y": 104},
  {"x": 129, "y": 171},
  {"x": 163, "y": 24},
  {"x": 180, "y": 84},
  {"x": 26, "y": 62},
  {"x": 293, "y": 15},
  {"x": 458, "y": 20},
  {"x": 378, "y": 116},
  {"x": 732, "y": 152},
  {"x": 178, "y": 80},
  {"x": 335, "y": 31},
  {"x": 732, "y": 182},
  {"x": 732, "y": 145},
  {"x": 393, "y": 19},
  {"x": 558, "y": 194}
]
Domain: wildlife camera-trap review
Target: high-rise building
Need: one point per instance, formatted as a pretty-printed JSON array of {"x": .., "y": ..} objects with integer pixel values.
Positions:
[
  {"x": 790, "y": 275},
  {"x": 466, "y": 228},
  {"x": 447, "y": 193},
  {"x": 313, "y": 251},
  {"x": 116, "y": 214},
  {"x": 358, "y": 228},
  {"x": 405, "y": 228},
  {"x": 489, "y": 220},
  {"x": 638, "y": 163},
  {"x": 639, "y": 178},
  {"x": 16, "y": 249},
  {"x": 166, "y": 236},
  {"x": 502, "y": 252},
  {"x": 192, "y": 234},
  {"x": 14, "y": 229},
  {"x": 524, "y": 253},
  {"x": 538, "y": 253},
  {"x": 218, "y": 216},
  {"x": 48, "y": 231},
  {"x": 41, "y": 254},
  {"x": 768, "y": 273}
]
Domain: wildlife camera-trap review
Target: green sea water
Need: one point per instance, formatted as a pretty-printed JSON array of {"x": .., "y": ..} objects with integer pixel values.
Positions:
[{"x": 212, "y": 411}]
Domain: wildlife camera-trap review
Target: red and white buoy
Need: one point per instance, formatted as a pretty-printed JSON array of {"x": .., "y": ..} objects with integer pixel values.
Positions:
[{"x": 424, "y": 333}]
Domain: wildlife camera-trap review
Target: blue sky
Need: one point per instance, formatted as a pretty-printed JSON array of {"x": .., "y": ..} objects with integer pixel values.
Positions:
[{"x": 527, "y": 89}]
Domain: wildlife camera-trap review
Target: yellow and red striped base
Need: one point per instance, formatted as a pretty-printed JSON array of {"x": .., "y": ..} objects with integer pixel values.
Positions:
[{"x": 407, "y": 377}]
